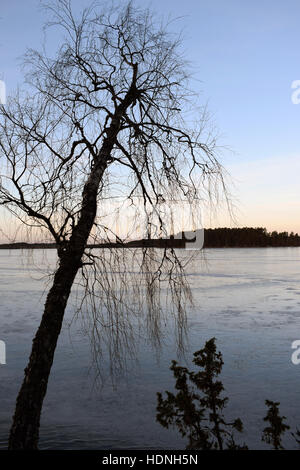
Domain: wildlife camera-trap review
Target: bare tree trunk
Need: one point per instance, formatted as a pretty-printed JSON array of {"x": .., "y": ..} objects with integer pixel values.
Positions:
[
  {"x": 25, "y": 428},
  {"x": 118, "y": 81},
  {"x": 24, "y": 432}
]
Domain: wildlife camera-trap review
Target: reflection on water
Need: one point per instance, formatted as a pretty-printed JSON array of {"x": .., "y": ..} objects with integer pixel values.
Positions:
[{"x": 249, "y": 299}]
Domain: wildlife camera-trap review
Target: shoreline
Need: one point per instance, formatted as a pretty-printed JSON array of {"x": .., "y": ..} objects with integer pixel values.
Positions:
[{"x": 149, "y": 244}]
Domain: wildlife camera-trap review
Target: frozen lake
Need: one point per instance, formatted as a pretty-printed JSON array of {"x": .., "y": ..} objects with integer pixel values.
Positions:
[{"x": 249, "y": 299}]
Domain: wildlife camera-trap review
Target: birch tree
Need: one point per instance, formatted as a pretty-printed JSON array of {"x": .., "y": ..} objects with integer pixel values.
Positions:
[{"x": 107, "y": 111}]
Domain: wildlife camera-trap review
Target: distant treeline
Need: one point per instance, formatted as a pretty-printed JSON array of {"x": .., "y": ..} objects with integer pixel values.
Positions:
[
  {"x": 248, "y": 237},
  {"x": 213, "y": 238}
]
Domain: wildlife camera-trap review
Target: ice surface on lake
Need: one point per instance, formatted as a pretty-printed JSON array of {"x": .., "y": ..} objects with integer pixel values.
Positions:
[{"x": 249, "y": 299}]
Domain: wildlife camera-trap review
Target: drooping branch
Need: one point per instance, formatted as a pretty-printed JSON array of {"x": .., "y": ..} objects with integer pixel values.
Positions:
[{"x": 103, "y": 120}]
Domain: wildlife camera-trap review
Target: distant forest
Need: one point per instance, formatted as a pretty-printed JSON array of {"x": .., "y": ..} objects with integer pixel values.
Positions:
[
  {"x": 248, "y": 237},
  {"x": 245, "y": 237}
]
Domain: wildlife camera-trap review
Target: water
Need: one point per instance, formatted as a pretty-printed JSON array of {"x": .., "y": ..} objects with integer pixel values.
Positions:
[{"x": 249, "y": 299}]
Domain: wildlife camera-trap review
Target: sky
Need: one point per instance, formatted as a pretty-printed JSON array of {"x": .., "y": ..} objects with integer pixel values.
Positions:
[{"x": 245, "y": 57}]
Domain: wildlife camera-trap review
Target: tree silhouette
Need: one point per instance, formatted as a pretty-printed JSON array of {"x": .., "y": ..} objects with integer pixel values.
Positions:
[
  {"x": 104, "y": 118},
  {"x": 198, "y": 413},
  {"x": 272, "y": 434},
  {"x": 200, "y": 416},
  {"x": 248, "y": 237}
]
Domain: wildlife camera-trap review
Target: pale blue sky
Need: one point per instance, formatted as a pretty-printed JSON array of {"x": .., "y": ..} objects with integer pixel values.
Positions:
[{"x": 245, "y": 55}]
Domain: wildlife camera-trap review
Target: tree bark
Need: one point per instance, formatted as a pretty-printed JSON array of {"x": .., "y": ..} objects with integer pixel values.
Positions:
[
  {"x": 25, "y": 428},
  {"x": 26, "y": 421},
  {"x": 24, "y": 432}
]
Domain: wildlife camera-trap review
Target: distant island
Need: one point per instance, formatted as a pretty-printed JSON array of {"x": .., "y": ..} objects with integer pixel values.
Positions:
[{"x": 246, "y": 237}]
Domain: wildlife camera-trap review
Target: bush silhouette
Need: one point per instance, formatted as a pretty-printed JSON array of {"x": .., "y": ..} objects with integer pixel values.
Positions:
[{"x": 197, "y": 407}]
